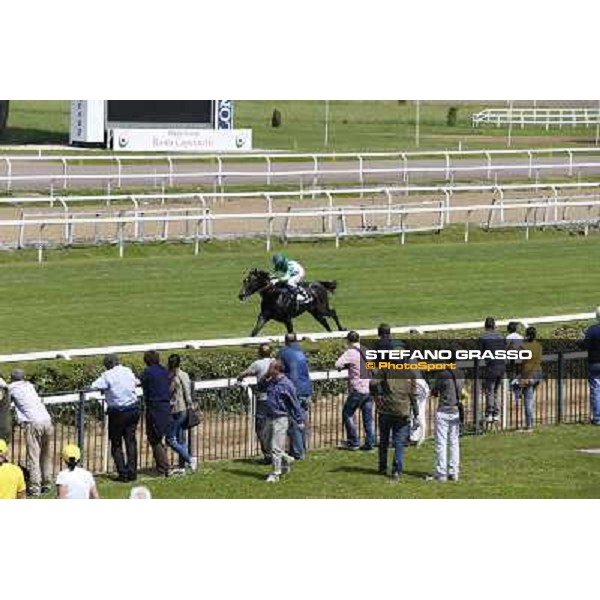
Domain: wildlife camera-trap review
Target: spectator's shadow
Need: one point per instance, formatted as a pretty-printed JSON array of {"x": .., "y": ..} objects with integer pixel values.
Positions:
[
  {"x": 248, "y": 474},
  {"x": 367, "y": 471},
  {"x": 355, "y": 469}
]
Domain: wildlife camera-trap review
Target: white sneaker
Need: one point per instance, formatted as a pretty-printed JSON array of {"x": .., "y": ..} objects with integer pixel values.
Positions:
[
  {"x": 287, "y": 465},
  {"x": 272, "y": 478},
  {"x": 193, "y": 466}
]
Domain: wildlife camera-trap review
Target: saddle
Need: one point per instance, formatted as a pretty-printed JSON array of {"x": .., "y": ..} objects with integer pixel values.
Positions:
[{"x": 297, "y": 297}]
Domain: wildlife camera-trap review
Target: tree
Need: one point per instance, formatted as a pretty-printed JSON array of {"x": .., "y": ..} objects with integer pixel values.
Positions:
[{"x": 3, "y": 114}]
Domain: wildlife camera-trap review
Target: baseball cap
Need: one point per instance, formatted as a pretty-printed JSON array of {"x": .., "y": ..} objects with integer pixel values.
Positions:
[
  {"x": 3, "y": 447},
  {"x": 71, "y": 451}
]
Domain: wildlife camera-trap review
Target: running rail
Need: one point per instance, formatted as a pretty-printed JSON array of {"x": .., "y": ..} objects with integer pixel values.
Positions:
[{"x": 68, "y": 354}]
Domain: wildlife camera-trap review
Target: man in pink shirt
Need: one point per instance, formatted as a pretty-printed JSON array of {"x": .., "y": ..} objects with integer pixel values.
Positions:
[{"x": 358, "y": 397}]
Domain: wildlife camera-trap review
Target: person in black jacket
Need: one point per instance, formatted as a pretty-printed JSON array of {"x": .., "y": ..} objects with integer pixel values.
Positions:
[
  {"x": 494, "y": 370},
  {"x": 155, "y": 383}
]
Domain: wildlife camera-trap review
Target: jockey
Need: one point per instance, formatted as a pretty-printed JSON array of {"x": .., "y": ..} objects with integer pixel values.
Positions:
[{"x": 290, "y": 273}]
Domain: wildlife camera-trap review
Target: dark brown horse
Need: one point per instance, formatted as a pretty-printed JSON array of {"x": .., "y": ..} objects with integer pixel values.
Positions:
[{"x": 278, "y": 303}]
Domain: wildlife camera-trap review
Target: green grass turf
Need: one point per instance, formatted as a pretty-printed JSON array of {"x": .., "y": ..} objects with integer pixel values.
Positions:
[
  {"x": 544, "y": 464},
  {"x": 85, "y": 297},
  {"x": 354, "y": 125}
]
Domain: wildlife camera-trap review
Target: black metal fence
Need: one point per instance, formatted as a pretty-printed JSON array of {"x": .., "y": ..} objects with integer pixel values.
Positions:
[{"x": 227, "y": 427}]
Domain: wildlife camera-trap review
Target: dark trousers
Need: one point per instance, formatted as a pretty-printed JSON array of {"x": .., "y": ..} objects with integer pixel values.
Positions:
[
  {"x": 298, "y": 437},
  {"x": 155, "y": 432},
  {"x": 260, "y": 423},
  {"x": 121, "y": 427},
  {"x": 492, "y": 380},
  {"x": 400, "y": 430}
]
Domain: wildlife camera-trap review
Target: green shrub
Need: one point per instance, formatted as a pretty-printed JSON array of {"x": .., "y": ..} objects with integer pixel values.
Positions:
[
  {"x": 276, "y": 118},
  {"x": 452, "y": 116}
]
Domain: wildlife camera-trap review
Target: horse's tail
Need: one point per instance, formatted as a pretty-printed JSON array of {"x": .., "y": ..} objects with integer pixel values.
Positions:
[{"x": 330, "y": 286}]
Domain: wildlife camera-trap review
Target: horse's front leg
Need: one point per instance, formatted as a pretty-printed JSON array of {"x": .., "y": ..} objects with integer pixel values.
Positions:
[
  {"x": 322, "y": 320},
  {"x": 260, "y": 323},
  {"x": 289, "y": 326}
]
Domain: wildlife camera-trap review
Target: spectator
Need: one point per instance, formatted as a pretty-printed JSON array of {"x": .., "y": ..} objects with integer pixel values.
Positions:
[
  {"x": 395, "y": 405},
  {"x": 259, "y": 369},
  {"x": 513, "y": 338},
  {"x": 32, "y": 414},
  {"x": 140, "y": 492},
  {"x": 514, "y": 341},
  {"x": 5, "y": 412},
  {"x": 12, "y": 481},
  {"x": 281, "y": 406},
  {"x": 74, "y": 482},
  {"x": 418, "y": 431},
  {"x": 494, "y": 370},
  {"x": 181, "y": 398},
  {"x": 448, "y": 388},
  {"x": 295, "y": 366},
  {"x": 155, "y": 383},
  {"x": 591, "y": 343},
  {"x": 119, "y": 386},
  {"x": 358, "y": 397},
  {"x": 385, "y": 341},
  {"x": 530, "y": 376}
]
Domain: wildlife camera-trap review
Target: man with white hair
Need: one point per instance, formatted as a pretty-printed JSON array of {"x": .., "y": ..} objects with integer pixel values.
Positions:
[
  {"x": 33, "y": 416},
  {"x": 140, "y": 492},
  {"x": 591, "y": 342}
]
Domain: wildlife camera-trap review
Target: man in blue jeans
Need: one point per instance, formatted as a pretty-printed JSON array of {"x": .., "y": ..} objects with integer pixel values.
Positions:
[
  {"x": 396, "y": 402},
  {"x": 591, "y": 343},
  {"x": 295, "y": 367},
  {"x": 358, "y": 397}
]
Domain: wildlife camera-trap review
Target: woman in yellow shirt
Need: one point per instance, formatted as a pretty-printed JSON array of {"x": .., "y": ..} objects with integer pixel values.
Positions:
[
  {"x": 531, "y": 375},
  {"x": 12, "y": 482}
]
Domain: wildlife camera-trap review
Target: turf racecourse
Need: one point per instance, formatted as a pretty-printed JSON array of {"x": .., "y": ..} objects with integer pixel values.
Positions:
[
  {"x": 84, "y": 297},
  {"x": 544, "y": 464}
]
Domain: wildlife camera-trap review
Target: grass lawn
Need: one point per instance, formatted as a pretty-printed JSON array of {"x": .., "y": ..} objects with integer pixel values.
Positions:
[
  {"x": 85, "y": 297},
  {"x": 354, "y": 125},
  {"x": 544, "y": 464}
]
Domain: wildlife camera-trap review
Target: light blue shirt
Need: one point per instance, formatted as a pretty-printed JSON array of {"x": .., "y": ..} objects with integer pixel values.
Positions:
[{"x": 118, "y": 385}]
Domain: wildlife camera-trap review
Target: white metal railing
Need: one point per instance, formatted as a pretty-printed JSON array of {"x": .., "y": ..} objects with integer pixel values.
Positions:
[
  {"x": 204, "y": 198},
  {"x": 68, "y": 354},
  {"x": 538, "y": 116},
  {"x": 320, "y": 166},
  {"x": 395, "y": 219}
]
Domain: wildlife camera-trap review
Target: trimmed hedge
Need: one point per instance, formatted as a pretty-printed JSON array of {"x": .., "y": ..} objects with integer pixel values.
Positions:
[{"x": 59, "y": 376}]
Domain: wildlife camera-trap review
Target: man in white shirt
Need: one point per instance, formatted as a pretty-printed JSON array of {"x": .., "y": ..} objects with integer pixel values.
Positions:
[
  {"x": 33, "y": 416},
  {"x": 119, "y": 386},
  {"x": 514, "y": 340}
]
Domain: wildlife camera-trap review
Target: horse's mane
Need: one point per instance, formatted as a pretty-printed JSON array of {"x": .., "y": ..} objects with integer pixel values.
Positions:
[{"x": 259, "y": 272}]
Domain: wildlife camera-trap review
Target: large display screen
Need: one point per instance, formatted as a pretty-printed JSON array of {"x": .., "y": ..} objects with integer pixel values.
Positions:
[{"x": 163, "y": 112}]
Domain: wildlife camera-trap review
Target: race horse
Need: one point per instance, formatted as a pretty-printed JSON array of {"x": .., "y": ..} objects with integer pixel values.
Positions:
[{"x": 278, "y": 302}]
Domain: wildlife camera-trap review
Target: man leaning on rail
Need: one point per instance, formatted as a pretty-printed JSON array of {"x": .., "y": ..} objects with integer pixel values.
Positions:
[{"x": 119, "y": 386}]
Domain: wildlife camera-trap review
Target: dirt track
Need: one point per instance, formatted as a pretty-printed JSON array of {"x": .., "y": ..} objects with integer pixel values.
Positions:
[{"x": 296, "y": 224}]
